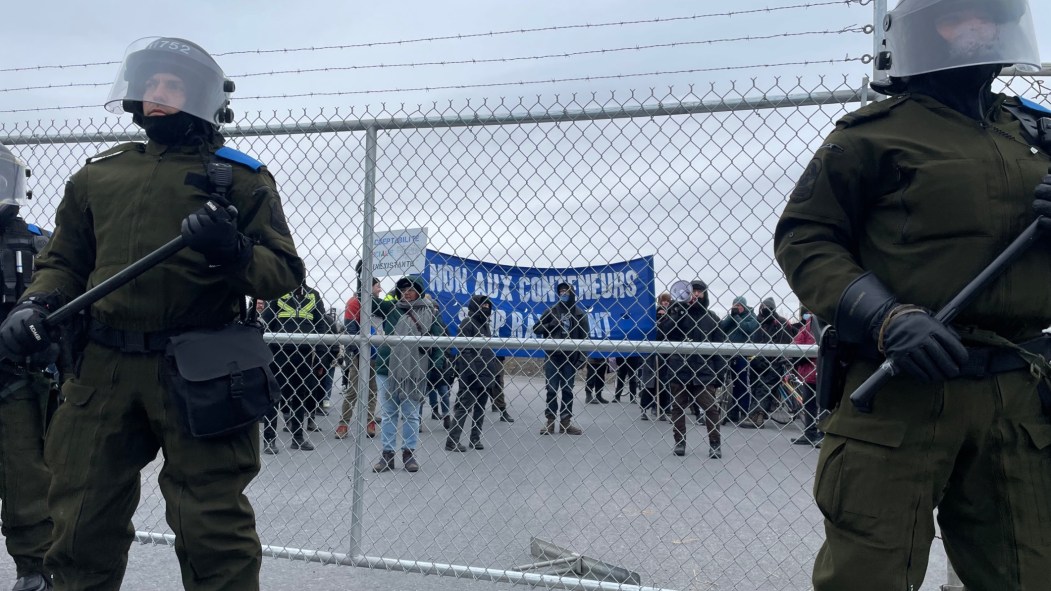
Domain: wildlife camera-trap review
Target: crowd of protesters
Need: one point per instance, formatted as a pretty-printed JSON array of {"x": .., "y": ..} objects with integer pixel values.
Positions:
[{"x": 738, "y": 390}]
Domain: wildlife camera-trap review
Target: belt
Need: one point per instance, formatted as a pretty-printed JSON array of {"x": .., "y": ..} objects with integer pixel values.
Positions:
[
  {"x": 129, "y": 341},
  {"x": 985, "y": 361}
]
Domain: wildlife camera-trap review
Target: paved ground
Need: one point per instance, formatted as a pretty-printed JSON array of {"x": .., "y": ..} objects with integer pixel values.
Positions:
[{"x": 744, "y": 523}]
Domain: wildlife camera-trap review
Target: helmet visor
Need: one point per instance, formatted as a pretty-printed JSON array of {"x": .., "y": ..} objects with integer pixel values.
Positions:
[
  {"x": 934, "y": 35},
  {"x": 12, "y": 179},
  {"x": 171, "y": 72}
]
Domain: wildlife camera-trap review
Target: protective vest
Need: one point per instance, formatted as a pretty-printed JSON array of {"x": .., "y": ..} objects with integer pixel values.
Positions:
[
  {"x": 19, "y": 244},
  {"x": 299, "y": 314}
]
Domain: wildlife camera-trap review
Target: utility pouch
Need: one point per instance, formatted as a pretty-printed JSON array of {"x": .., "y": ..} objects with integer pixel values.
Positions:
[
  {"x": 831, "y": 369},
  {"x": 220, "y": 379}
]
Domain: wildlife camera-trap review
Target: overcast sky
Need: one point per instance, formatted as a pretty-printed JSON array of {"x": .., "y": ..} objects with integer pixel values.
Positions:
[{"x": 699, "y": 193}]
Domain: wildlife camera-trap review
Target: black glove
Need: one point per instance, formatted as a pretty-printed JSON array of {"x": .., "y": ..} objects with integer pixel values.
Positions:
[
  {"x": 917, "y": 342},
  {"x": 922, "y": 346},
  {"x": 23, "y": 332},
  {"x": 212, "y": 231},
  {"x": 1042, "y": 203}
]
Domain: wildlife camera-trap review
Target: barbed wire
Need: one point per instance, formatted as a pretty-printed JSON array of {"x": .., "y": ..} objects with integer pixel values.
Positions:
[
  {"x": 553, "y": 80},
  {"x": 862, "y": 59},
  {"x": 477, "y": 61},
  {"x": 461, "y": 36}
]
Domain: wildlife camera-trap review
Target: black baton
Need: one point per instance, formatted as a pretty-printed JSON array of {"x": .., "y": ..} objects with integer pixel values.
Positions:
[
  {"x": 863, "y": 397},
  {"x": 113, "y": 283}
]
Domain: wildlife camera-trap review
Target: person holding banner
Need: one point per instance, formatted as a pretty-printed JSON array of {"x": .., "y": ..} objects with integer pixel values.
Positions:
[{"x": 564, "y": 320}]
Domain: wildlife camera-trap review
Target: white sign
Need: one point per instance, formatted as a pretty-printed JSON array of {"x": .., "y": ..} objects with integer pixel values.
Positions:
[{"x": 399, "y": 252}]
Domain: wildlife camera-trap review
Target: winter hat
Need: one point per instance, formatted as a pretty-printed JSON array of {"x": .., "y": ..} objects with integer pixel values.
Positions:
[{"x": 414, "y": 281}]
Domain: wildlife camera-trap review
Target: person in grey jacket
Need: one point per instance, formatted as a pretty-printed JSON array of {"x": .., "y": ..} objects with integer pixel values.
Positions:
[
  {"x": 478, "y": 369},
  {"x": 401, "y": 369}
]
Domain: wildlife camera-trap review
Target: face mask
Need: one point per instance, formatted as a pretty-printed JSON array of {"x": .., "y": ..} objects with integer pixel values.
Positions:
[
  {"x": 806, "y": 317},
  {"x": 564, "y": 298}
]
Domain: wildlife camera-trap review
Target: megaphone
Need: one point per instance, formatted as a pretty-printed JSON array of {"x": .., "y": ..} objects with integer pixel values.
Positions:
[{"x": 681, "y": 290}]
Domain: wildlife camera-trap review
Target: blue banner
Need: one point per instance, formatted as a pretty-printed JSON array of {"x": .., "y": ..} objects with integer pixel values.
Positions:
[{"x": 619, "y": 298}]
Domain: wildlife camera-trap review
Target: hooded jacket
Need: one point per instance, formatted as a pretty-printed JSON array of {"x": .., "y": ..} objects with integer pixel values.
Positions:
[
  {"x": 739, "y": 327},
  {"x": 564, "y": 320},
  {"x": 477, "y": 367},
  {"x": 694, "y": 323}
]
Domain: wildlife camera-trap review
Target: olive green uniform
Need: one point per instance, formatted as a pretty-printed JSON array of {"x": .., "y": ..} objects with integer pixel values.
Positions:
[
  {"x": 24, "y": 396},
  {"x": 123, "y": 204},
  {"x": 23, "y": 476},
  {"x": 925, "y": 198}
]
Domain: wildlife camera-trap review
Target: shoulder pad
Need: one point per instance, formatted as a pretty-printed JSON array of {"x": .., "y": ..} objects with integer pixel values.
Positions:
[
  {"x": 227, "y": 153},
  {"x": 871, "y": 111},
  {"x": 1033, "y": 106},
  {"x": 114, "y": 151}
]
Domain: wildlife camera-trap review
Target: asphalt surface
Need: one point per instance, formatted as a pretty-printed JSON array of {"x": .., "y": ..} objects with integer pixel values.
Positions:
[{"x": 617, "y": 494}]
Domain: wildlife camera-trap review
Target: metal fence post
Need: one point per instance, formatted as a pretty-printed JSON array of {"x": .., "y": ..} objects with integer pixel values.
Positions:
[
  {"x": 364, "y": 348},
  {"x": 954, "y": 583}
]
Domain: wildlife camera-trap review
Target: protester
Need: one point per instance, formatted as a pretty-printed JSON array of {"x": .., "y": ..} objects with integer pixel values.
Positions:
[
  {"x": 652, "y": 373},
  {"x": 767, "y": 370},
  {"x": 806, "y": 369},
  {"x": 564, "y": 320},
  {"x": 351, "y": 366},
  {"x": 401, "y": 369},
  {"x": 595, "y": 380},
  {"x": 694, "y": 378},
  {"x": 739, "y": 326},
  {"x": 477, "y": 368}
]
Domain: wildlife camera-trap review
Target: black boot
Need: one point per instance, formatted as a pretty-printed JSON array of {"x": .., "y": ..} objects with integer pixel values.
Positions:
[
  {"x": 453, "y": 445},
  {"x": 409, "y": 461},
  {"x": 476, "y": 428},
  {"x": 504, "y": 417},
  {"x": 270, "y": 447},
  {"x": 386, "y": 463},
  {"x": 715, "y": 452},
  {"x": 302, "y": 444},
  {"x": 456, "y": 425}
]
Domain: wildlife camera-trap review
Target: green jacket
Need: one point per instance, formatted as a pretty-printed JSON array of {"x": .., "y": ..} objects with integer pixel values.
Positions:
[
  {"x": 131, "y": 199},
  {"x": 925, "y": 198}
]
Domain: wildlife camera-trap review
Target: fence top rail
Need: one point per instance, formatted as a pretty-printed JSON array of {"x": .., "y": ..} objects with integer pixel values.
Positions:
[
  {"x": 531, "y": 344},
  {"x": 475, "y": 118}
]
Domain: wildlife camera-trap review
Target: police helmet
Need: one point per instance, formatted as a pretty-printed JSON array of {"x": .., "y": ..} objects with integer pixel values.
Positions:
[
  {"x": 926, "y": 36},
  {"x": 13, "y": 193},
  {"x": 205, "y": 90}
]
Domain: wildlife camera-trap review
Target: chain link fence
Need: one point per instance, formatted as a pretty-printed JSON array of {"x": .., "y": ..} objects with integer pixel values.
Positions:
[{"x": 620, "y": 196}]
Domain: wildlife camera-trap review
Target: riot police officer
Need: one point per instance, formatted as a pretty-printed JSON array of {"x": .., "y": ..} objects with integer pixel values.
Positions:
[
  {"x": 901, "y": 206},
  {"x": 24, "y": 388},
  {"x": 299, "y": 367},
  {"x": 116, "y": 415}
]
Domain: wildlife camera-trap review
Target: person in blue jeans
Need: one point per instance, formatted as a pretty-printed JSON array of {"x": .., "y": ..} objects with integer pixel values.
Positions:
[
  {"x": 564, "y": 320},
  {"x": 401, "y": 369}
]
